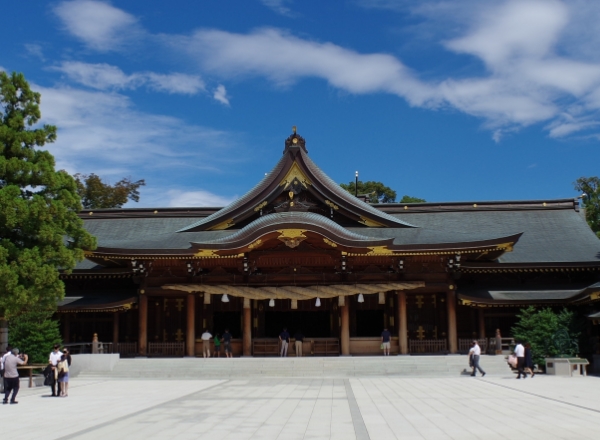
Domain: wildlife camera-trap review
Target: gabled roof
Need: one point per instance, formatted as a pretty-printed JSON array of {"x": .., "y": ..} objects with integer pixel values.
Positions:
[{"x": 296, "y": 172}]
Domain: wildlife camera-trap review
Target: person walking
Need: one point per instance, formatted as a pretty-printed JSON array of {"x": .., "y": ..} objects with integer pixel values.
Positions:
[
  {"x": 520, "y": 354},
  {"x": 11, "y": 375},
  {"x": 386, "y": 338},
  {"x": 206, "y": 343},
  {"x": 68, "y": 355},
  {"x": 299, "y": 337},
  {"x": 227, "y": 343},
  {"x": 54, "y": 359},
  {"x": 284, "y": 337},
  {"x": 62, "y": 369},
  {"x": 475, "y": 355},
  {"x": 529, "y": 360}
]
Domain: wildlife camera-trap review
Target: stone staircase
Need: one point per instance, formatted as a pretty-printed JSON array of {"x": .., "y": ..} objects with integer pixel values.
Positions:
[{"x": 321, "y": 367}]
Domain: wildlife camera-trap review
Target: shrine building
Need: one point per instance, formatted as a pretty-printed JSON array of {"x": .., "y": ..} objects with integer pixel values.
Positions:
[{"x": 298, "y": 251}]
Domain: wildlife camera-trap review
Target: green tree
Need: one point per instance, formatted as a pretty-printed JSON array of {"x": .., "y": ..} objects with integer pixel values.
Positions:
[
  {"x": 410, "y": 199},
  {"x": 40, "y": 231},
  {"x": 376, "y": 192},
  {"x": 34, "y": 332},
  {"x": 550, "y": 334},
  {"x": 591, "y": 201},
  {"x": 96, "y": 194}
]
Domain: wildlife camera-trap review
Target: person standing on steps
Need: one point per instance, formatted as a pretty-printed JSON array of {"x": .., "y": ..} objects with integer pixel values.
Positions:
[
  {"x": 475, "y": 355},
  {"x": 206, "y": 343},
  {"x": 520, "y": 354},
  {"x": 227, "y": 343},
  {"x": 299, "y": 337},
  {"x": 386, "y": 338},
  {"x": 284, "y": 337}
]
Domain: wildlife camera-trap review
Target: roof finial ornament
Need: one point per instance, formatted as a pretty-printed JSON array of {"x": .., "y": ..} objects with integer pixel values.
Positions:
[{"x": 294, "y": 129}]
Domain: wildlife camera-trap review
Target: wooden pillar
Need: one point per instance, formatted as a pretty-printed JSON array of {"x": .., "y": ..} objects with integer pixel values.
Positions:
[
  {"x": 190, "y": 334},
  {"x": 247, "y": 335},
  {"x": 115, "y": 338},
  {"x": 345, "y": 330},
  {"x": 452, "y": 334},
  {"x": 403, "y": 323},
  {"x": 143, "y": 322},
  {"x": 3, "y": 335},
  {"x": 481, "y": 321},
  {"x": 66, "y": 319}
]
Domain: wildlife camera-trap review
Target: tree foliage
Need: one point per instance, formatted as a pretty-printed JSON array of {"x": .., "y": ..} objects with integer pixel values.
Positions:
[
  {"x": 591, "y": 201},
  {"x": 376, "y": 192},
  {"x": 410, "y": 199},
  {"x": 40, "y": 231},
  {"x": 34, "y": 332},
  {"x": 96, "y": 194},
  {"x": 550, "y": 334}
]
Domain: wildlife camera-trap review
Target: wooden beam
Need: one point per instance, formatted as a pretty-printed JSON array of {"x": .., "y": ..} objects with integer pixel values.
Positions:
[
  {"x": 143, "y": 324},
  {"x": 190, "y": 334},
  {"x": 345, "y": 330},
  {"x": 402, "y": 323},
  {"x": 247, "y": 336},
  {"x": 452, "y": 334}
]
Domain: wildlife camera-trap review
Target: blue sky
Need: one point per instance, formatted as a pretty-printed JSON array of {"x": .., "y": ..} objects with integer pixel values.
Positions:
[{"x": 445, "y": 100}]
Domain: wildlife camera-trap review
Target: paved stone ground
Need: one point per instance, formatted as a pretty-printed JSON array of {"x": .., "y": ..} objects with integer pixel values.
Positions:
[{"x": 544, "y": 407}]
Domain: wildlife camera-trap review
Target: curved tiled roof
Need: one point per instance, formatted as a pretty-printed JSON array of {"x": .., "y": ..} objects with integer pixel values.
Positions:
[
  {"x": 301, "y": 220},
  {"x": 320, "y": 182}
]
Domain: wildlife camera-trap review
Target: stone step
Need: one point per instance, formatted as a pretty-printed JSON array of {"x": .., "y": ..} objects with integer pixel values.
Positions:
[{"x": 198, "y": 368}]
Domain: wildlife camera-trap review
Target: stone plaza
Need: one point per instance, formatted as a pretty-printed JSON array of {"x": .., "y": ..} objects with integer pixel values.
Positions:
[{"x": 317, "y": 405}]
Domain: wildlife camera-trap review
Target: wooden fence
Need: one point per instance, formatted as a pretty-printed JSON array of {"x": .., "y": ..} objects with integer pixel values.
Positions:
[
  {"x": 174, "y": 349},
  {"x": 428, "y": 346},
  {"x": 326, "y": 347},
  {"x": 265, "y": 347}
]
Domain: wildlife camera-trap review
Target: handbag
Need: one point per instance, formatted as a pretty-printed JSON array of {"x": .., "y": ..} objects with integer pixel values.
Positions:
[{"x": 381, "y": 346}]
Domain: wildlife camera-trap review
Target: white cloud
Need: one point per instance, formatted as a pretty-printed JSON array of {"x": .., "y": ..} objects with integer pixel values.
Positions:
[
  {"x": 220, "y": 94},
  {"x": 98, "y": 24},
  {"x": 108, "y": 77},
  {"x": 181, "y": 198},
  {"x": 279, "y": 6},
  {"x": 35, "y": 50},
  {"x": 535, "y": 68},
  {"x": 103, "y": 131}
]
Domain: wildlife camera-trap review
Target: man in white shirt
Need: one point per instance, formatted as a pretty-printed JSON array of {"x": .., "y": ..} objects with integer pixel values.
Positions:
[
  {"x": 475, "y": 354},
  {"x": 520, "y": 354},
  {"x": 54, "y": 359},
  {"x": 206, "y": 343},
  {"x": 11, "y": 375},
  {"x": 5, "y": 355}
]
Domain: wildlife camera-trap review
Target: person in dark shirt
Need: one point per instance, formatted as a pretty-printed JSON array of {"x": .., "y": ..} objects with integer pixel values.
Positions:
[
  {"x": 227, "y": 343},
  {"x": 386, "y": 338},
  {"x": 299, "y": 337},
  {"x": 284, "y": 337}
]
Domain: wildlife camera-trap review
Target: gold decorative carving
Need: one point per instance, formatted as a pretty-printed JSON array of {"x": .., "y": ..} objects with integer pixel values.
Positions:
[
  {"x": 594, "y": 296},
  {"x": 291, "y": 237},
  {"x": 332, "y": 205},
  {"x": 206, "y": 253},
  {"x": 258, "y": 243},
  {"x": 421, "y": 333},
  {"x": 329, "y": 242},
  {"x": 295, "y": 173},
  {"x": 226, "y": 224},
  {"x": 380, "y": 250},
  {"x": 260, "y": 206},
  {"x": 508, "y": 247},
  {"x": 466, "y": 302},
  {"x": 370, "y": 223}
]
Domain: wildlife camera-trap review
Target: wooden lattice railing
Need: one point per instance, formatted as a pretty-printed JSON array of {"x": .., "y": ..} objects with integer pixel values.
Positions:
[
  {"x": 464, "y": 345},
  {"x": 165, "y": 349},
  {"x": 126, "y": 348},
  {"x": 428, "y": 346}
]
